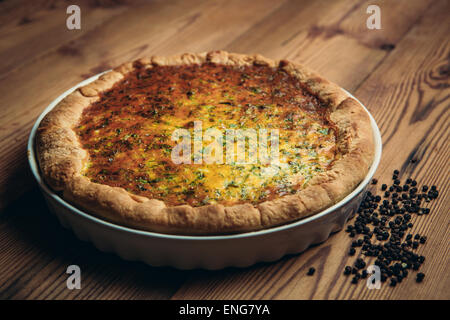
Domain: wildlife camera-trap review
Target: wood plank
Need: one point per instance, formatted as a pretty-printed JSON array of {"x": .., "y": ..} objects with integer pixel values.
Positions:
[
  {"x": 322, "y": 35},
  {"x": 414, "y": 119},
  {"x": 36, "y": 251},
  {"x": 409, "y": 98},
  {"x": 37, "y": 28}
]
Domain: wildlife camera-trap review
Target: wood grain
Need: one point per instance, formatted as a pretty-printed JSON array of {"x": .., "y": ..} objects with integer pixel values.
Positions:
[{"x": 401, "y": 73}]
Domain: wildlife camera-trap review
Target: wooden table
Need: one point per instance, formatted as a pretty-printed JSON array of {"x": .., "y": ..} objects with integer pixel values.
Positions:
[{"x": 401, "y": 73}]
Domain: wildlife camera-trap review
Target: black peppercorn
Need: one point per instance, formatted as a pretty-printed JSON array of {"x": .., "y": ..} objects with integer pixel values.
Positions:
[
  {"x": 420, "y": 277},
  {"x": 347, "y": 270}
]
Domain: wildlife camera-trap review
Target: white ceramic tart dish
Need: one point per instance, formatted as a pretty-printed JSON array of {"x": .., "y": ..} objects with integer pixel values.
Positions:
[{"x": 201, "y": 251}]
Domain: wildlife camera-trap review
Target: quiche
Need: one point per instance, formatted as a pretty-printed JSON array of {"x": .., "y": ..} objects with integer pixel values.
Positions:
[{"x": 208, "y": 143}]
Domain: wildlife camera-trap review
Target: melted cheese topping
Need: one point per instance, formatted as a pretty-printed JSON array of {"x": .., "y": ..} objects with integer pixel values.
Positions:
[{"x": 128, "y": 133}]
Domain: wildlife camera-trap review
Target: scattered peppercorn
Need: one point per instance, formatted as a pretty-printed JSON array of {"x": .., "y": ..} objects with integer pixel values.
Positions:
[
  {"x": 347, "y": 270},
  {"x": 420, "y": 277},
  {"x": 311, "y": 271}
]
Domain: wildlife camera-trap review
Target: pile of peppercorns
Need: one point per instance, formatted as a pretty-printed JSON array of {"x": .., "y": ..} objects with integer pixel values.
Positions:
[{"x": 385, "y": 229}]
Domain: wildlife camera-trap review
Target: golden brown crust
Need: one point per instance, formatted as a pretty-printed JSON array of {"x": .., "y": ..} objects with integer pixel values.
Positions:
[{"x": 61, "y": 159}]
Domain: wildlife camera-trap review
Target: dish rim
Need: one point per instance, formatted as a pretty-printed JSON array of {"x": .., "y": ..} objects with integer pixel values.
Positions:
[{"x": 74, "y": 210}]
